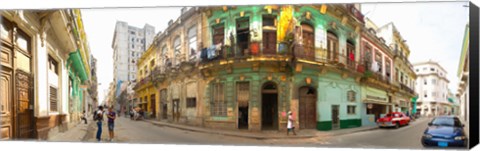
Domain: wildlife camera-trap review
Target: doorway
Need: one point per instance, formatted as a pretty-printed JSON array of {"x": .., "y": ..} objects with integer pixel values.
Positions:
[
  {"x": 243, "y": 95},
  {"x": 163, "y": 100},
  {"x": 153, "y": 106},
  {"x": 269, "y": 106},
  {"x": 307, "y": 108},
  {"x": 175, "y": 111},
  {"x": 17, "y": 100},
  {"x": 243, "y": 36},
  {"x": 335, "y": 117}
]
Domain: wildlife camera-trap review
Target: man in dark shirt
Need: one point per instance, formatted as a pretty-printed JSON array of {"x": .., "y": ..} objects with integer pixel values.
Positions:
[{"x": 111, "y": 118}]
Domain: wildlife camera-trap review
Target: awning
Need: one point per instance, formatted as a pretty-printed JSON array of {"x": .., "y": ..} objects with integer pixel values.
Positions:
[
  {"x": 367, "y": 101},
  {"x": 76, "y": 60}
]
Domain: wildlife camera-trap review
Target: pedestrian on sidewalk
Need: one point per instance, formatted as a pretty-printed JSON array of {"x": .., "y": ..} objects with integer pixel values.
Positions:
[
  {"x": 84, "y": 116},
  {"x": 99, "y": 118},
  {"x": 111, "y": 122},
  {"x": 290, "y": 125}
]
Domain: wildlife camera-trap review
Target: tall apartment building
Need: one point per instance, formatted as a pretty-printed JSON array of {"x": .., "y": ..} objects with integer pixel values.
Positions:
[
  {"x": 128, "y": 45},
  {"x": 432, "y": 88}
]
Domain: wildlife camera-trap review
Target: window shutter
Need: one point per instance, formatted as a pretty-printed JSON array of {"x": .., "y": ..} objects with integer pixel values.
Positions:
[{"x": 53, "y": 99}]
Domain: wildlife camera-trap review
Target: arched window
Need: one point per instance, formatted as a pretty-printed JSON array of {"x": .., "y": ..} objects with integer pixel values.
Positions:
[
  {"x": 332, "y": 46},
  {"x": 308, "y": 41}
]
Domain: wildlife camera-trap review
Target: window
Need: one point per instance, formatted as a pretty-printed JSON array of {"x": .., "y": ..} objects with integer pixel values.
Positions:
[
  {"x": 351, "y": 96},
  {"x": 53, "y": 99},
  {"x": 424, "y": 68},
  {"x": 425, "y": 81},
  {"x": 378, "y": 59},
  {"x": 243, "y": 94},
  {"x": 164, "y": 50},
  {"x": 133, "y": 46},
  {"x": 218, "y": 36},
  {"x": 387, "y": 69},
  {"x": 332, "y": 47},
  {"x": 219, "y": 106},
  {"x": 52, "y": 65},
  {"x": 309, "y": 42},
  {"x": 192, "y": 42},
  {"x": 425, "y": 94},
  {"x": 191, "y": 102},
  {"x": 243, "y": 36},
  {"x": 351, "y": 109},
  {"x": 432, "y": 69},
  {"x": 434, "y": 94},
  {"x": 367, "y": 55},
  {"x": 434, "y": 81},
  {"x": 416, "y": 70},
  {"x": 269, "y": 35},
  {"x": 176, "y": 48},
  {"x": 397, "y": 74}
]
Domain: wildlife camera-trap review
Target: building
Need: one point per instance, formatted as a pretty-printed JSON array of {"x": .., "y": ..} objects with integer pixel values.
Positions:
[
  {"x": 94, "y": 85},
  {"x": 129, "y": 43},
  {"x": 432, "y": 87},
  {"x": 379, "y": 63},
  {"x": 42, "y": 70},
  {"x": 463, "y": 75},
  {"x": 245, "y": 67},
  {"x": 402, "y": 70}
]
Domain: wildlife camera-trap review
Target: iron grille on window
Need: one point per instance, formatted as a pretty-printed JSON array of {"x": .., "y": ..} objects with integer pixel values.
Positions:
[
  {"x": 219, "y": 107},
  {"x": 53, "y": 99},
  {"x": 191, "y": 102},
  {"x": 351, "y": 109}
]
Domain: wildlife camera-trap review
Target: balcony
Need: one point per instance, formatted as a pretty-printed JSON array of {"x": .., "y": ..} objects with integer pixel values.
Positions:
[
  {"x": 355, "y": 12},
  {"x": 144, "y": 81},
  {"x": 159, "y": 74},
  {"x": 406, "y": 88}
]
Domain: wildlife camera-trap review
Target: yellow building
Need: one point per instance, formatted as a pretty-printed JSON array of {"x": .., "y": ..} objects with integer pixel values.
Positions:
[{"x": 145, "y": 91}]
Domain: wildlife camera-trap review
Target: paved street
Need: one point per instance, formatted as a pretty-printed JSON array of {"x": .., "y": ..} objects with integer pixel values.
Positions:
[{"x": 127, "y": 131}]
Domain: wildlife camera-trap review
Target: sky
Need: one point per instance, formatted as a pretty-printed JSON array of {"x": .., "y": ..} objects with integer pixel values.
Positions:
[
  {"x": 432, "y": 30},
  {"x": 100, "y": 24}
]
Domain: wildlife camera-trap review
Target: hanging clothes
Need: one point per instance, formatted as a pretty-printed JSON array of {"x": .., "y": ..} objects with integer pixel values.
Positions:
[
  {"x": 211, "y": 52},
  {"x": 204, "y": 54},
  {"x": 351, "y": 56},
  {"x": 374, "y": 66}
]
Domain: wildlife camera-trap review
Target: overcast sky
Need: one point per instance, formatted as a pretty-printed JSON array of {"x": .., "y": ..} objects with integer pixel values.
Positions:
[
  {"x": 432, "y": 30},
  {"x": 100, "y": 25}
]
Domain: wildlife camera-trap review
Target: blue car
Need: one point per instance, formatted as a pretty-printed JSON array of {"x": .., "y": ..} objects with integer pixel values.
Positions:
[{"x": 445, "y": 131}]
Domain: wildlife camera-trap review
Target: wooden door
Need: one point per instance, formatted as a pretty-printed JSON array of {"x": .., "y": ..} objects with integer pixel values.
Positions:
[
  {"x": 175, "y": 109},
  {"x": 16, "y": 104},
  {"x": 307, "y": 108},
  {"x": 163, "y": 100},
  {"x": 24, "y": 104}
]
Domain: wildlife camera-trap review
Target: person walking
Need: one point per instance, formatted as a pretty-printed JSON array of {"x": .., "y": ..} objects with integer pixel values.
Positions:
[
  {"x": 99, "y": 119},
  {"x": 84, "y": 117},
  {"x": 111, "y": 122},
  {"x": 290, "y": 125}
]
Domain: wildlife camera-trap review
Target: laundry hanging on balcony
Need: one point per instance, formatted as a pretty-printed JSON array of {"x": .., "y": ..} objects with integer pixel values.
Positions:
[
  {"x": 211, "y": 52},
  {"x": 204, "y": 54},
  {"x": 374, "y": 66}
]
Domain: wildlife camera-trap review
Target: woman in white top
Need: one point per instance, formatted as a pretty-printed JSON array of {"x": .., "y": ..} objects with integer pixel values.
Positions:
[{"x": 290, "y": 125}]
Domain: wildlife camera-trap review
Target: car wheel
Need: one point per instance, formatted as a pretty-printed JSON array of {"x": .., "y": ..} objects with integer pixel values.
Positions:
[
  {"x": 424, "y": 145},
  {"x": 397, "y": 125}
]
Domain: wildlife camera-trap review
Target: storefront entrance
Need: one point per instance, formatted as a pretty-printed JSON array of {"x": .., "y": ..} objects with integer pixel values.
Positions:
[
  {"x": 307, "y": 108},
  {"x": 335, "y": 117},
  {"x": 269, "y": 106},
  {"x": 376, "y": 109}
]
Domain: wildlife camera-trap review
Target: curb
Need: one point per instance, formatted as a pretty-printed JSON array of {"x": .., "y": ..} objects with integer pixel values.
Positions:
[{"x": 226, "y": 133}]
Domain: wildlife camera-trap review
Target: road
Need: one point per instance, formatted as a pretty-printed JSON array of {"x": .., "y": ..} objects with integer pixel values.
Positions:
[
  {"x": 142, "y": 132},
  {"x": 406, "y": 137}
]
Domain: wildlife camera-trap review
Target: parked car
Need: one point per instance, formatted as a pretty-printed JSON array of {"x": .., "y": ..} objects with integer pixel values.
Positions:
[
  {"x": 393, "y": 119},
  {"x": 445, "y": 131}
]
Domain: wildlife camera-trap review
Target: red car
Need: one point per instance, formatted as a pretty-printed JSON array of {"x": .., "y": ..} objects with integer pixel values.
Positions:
[{"x": 393, "y": 119}]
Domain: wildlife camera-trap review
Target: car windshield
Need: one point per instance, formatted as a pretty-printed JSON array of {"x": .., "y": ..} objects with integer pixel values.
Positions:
[
  {"x": 446, "y": 122},
  {"x": 392, "y": 115}
]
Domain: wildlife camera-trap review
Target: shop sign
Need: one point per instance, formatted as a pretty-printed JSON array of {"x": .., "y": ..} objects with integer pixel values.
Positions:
[{"x": 376, "y": 98}]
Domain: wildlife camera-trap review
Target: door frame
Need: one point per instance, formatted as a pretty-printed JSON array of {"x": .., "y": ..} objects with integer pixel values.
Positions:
[
  {"x": 338, "y": 117},
  {"x": 263, "y": 91},
  {"x": 299, "y": 100}
]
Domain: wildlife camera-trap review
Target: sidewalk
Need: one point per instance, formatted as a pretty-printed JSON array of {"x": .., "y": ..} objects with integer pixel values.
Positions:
[
  {"x": 265, "y": 134},
  {"x": 75, "y": 134}
]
